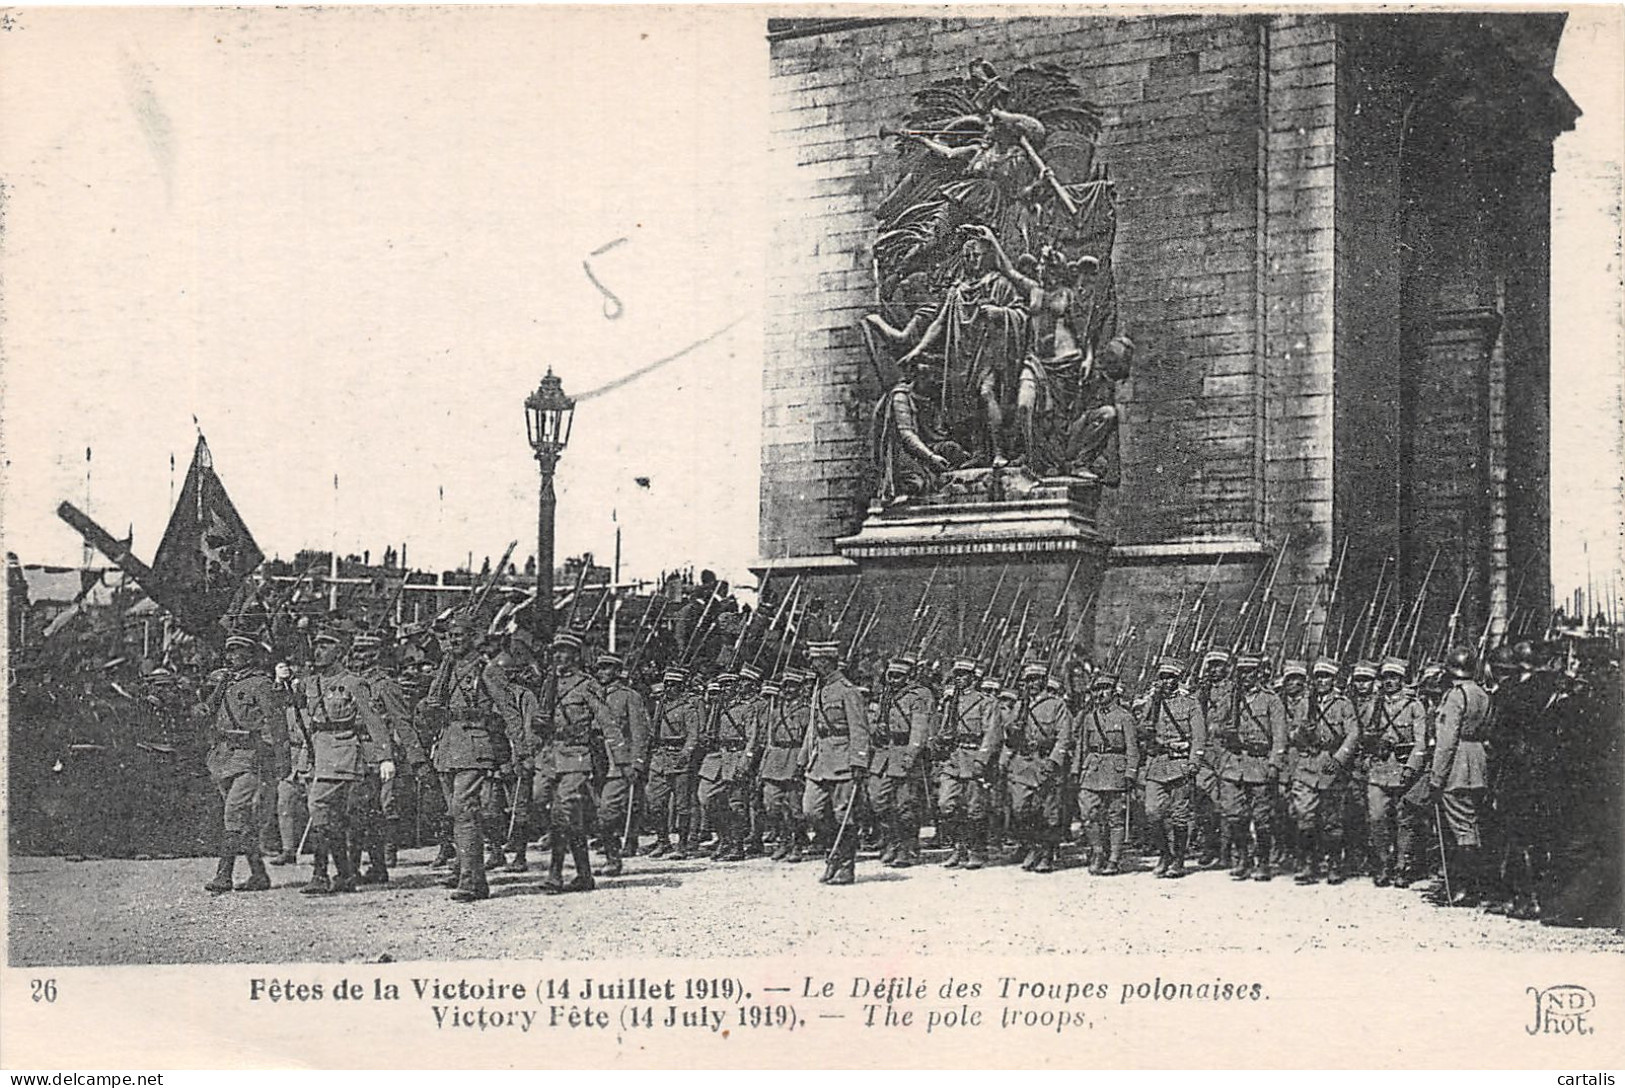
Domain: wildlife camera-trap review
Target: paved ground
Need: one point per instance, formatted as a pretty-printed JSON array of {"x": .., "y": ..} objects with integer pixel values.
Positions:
[{"x": 148, "y": 912}]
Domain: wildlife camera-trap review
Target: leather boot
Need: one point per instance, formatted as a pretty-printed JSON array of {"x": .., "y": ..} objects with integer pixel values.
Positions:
[
  {"x": 228, "y": 861},
  {"x": 583, "y": 881},
  {"x": 286, "y": 857},
  {"x": 908, "y": 848},
  {"x": 1264, "y": 870},
  {"x": 612, "y": 855},
  {"x": 343, "y": 862},
  {"x": 1308, "y": 851},
  {"x": 1176, "y": 850},
  {"x": 258, "y": 879},
  {"x": 554, "y": 881},
  {"x": 787, "y": 835},
  {"x": 978, "y": 850},
  {"x": 446, "y": 855},
  {"x": 318, "y": 883},
  {"x": 951, "y": 832},
  {"x": 1046, "y": 859},
  {"x": 661, "y": 848},
  {"x": 519, "y": 863},
  {"x": 495, "y": 858}
]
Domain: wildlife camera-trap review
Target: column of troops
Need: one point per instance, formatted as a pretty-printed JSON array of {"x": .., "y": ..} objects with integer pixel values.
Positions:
[{"x": 1488, "y": 778}]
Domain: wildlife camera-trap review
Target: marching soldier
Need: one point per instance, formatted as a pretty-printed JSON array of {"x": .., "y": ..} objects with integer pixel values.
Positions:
[
  {"x": 836, "y": 755},
  {"x": 901, "y": 731},
  {"x": 724, "y": 778},
  {"x": 338, "y": 707},
  {"x": 1392, "y": 751},
  {"x": 472, "y": 694},
  {"x": 1254, "y": 743},
  {"x": 1106, "y": 758},
  {"x": 1459, "y": 773},
  {"x": 1178, "y": 740},
  {"x": 248, "y": 723},
  {"x": 676, "y": 737},
  {"x": 784, "y": 728},
  {"x": 524, "y": 773},
  {"x": 626, "y": 736},
  {"x": 381, "y": 831},
  {"x": 967, "y": 716},
  {"x": 1215, "y": 691},
  {"x": 1032, "y": 736},
  {"x": 1325, "y": 737},
  {"x": 292, "y": 807},
  {"x": 752, "y": 708},
  {"x": 580, "y": 720}
]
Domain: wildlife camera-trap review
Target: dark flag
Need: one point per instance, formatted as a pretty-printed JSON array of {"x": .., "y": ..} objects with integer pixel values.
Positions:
[{"x": 207, "y": 552}]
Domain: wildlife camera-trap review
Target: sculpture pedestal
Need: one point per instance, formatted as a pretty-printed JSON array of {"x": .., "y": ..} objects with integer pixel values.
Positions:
[{"x": 1032, "y": 539}]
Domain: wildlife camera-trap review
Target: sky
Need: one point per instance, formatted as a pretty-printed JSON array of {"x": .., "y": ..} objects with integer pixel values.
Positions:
[{"x": 350, "y": 242}]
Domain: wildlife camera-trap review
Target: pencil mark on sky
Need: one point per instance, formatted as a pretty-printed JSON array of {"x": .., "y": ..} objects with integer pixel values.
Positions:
[
  {"x": 627, "y": 379},
  {"x": 613, "y": 307}
]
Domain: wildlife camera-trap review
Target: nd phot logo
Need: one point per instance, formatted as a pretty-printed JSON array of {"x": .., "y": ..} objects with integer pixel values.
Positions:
[{"x": 1561, "y": 1010}]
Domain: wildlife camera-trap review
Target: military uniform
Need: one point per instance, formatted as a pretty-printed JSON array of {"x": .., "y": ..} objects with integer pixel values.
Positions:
[
  {"x": 1106, "y": 756},
  {"x": 1216, "y": 693},
  {"x": 293, "y": 791},
  {"x": 580, "y": 722},
  {"x": 966, "y": 718},
  {"x": 781, "y": 733},
  {"x": 1030, "y": 748},
  {"x": 379, "y": 807},
  {"x": 675, "y": 740},
  {"x": 1392, "y": 754},
  {"x": 1178, "y": 740},
  {"x": 1460, "y": 775},
  {"x": 472, "y": 693},
  {"x": 247, "y": 725},
  {"x": 836, "y": 753},
  {"x": 900, "y": 733},
  {"x": 724, "y": 778},
  {"x": 1324, "y": 736},
  {"x": 626, "y": 739},
  {"x": 338, "y": 711},
  {"x": 1253, "y": 752}
]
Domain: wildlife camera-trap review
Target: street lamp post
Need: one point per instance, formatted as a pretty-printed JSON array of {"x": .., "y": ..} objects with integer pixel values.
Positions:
[{"x": 548, "y": 416}]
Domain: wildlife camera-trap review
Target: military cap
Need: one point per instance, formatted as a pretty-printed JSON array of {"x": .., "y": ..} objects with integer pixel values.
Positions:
[
  {"x": 771, "y": 688},
  {"x": 1325, "y": 666},
  {"x": 1034, "y": 670},
  {"x": 990, "y": 685},
  {"x": 1170, "y": 666},
  {"x": 1432, "y": 671},
  {"x": 1395, "y": 666},
  {"x": 675, "y": 674},
  {"x": 1363, "y": 670},
  {"x": 749, "y": 672},
  {"x": 330, "y": 635},
  {"x": 826, "y": 651},
  {"x": 1103, "y": 679},
  {"x": 1249, "y": 661},
  {"x": 964, "y": 664},
  {"x": 567, "y": 640},
  {"x": 607, "y": 658},
  {"x": 1009, "y": 694},
  {"x": 713, "y": 688},
  {"x": 795, "y": 676},
  {"x": 1216, "y": 656},
  {"x": 1053, "y": 683},
  {"x": 1294, "y": 667},
  {"x": 727, "y": 678},
  {"x": 366, "y": 641},
  {"x": 235, "y": 642}
]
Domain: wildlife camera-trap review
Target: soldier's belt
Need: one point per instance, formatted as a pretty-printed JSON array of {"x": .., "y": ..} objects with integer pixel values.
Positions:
[
  {"x": 968, "y": 745},
  {"x": 823, "y": 733},
  {"x": 673, "y": 745},
  {"x": 336, "y": 728}
]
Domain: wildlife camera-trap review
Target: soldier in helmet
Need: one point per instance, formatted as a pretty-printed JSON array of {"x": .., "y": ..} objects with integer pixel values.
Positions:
[
  {"x": 1032, "y": 735},
  {"x": 836, "y": 754},
  {"x": 1325, "y": 739},
  {"x": 247, "y": 725},
  {"x": 471, "y": 693},
  {"x": 1459, "y": 774},
  {"x": 1215, "y": 691},
  {"x": 1178, "y": 741},
  {"x": 902, "y": 729},
  {"x": 338, "y": 709},
  {"x": 1106, "y": 757},
  {"x": 1393, "y": 746}
]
